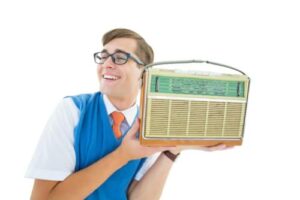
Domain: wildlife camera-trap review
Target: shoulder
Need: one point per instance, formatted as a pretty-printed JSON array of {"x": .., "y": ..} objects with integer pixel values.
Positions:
[
  {"x": 82, "y": 99},
  {"x": 66, "y": 108},
  {"x": 54, "y": 157}
]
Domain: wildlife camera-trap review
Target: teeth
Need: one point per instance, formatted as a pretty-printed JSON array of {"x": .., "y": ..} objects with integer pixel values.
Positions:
[{"x": 110, "y": 77}]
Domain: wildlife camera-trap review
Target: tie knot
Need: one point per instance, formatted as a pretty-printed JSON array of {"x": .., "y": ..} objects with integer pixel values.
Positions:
[{"x": 117, "y": 117}]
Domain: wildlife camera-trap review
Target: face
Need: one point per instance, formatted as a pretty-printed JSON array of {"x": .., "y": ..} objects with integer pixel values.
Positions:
[{"x": 120, "y": 81}]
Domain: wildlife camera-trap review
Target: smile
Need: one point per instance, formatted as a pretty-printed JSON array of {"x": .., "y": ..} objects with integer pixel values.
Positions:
[{"x": 110, "y": 77}]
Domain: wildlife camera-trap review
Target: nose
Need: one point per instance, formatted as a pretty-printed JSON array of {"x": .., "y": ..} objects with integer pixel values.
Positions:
[{"x": 108, "y": 63}]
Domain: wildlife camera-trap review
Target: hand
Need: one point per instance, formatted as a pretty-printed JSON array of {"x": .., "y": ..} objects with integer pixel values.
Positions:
[
  {"x": 217, "y": 147},
  {"x": 131, "y": 148}
]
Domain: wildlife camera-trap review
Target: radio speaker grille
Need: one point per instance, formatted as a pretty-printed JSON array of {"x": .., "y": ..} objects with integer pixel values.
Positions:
[{"x": 194, "y": 119}]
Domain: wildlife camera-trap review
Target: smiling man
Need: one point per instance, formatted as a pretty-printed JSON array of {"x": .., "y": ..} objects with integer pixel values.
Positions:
[
  {"x": 120, "y": 76},
  {"x": 89, "y": 149}
]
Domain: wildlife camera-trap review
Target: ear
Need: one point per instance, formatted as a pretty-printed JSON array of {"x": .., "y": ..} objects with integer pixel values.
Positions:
[{"x": 141, "y": 78}]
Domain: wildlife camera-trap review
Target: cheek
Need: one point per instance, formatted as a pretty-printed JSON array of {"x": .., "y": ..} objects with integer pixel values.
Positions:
[
  {"x": 138, "y": 74},
  {"x": 99, "y": 71},
  {"x": 99, "y": 68},
  {"x": 136, "y": 77}
]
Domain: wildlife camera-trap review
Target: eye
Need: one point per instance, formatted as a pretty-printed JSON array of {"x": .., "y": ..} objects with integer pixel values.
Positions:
[
  {"x": 120, "y": 56},
  {"x": 103, "y": 56},
  {"x": 120, "y": 59}
]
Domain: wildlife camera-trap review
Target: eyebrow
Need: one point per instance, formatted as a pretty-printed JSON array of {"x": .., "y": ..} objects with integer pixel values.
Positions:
[{"x": 117, "y": 50}]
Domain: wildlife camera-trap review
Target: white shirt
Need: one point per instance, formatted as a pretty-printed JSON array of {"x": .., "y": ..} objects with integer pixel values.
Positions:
[{"x": 54, "y": 157}]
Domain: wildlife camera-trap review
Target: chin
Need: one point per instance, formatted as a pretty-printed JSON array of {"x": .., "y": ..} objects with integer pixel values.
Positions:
[{"x": 110, "y": 93}]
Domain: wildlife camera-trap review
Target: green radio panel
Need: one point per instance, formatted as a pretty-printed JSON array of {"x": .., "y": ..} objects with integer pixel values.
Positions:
[{"x": 196, "y": 86}]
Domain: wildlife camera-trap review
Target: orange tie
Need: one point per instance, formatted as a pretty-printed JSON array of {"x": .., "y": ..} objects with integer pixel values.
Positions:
[{"x": 117, "y": 117}]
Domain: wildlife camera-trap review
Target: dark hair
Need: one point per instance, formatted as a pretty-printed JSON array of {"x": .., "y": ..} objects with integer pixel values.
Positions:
[{"x": 143, "y": 51}]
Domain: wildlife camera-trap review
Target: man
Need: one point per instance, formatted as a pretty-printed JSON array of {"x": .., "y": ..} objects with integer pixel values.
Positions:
[{"x": 89, "y": 148}]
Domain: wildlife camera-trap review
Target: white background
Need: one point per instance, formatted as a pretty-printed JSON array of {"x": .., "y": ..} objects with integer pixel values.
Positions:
[{"x": 46, "y": 52}]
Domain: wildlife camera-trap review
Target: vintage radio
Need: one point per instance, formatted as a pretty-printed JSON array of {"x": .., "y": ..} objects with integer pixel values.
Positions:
[{"x": 191, "y": 108}]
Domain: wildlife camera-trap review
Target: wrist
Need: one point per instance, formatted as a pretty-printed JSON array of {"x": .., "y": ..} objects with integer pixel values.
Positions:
[
  {"x": 172, "y": 156},
  {"x": 121, "y": 155},
  {"x": 175, "y": 151}
]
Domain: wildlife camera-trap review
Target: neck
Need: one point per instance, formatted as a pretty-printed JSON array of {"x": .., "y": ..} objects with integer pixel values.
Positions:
[{"x": 122, "y": 103}]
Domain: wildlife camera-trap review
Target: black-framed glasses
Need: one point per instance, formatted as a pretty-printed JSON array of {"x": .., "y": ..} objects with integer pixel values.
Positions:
[{"x": 118, "y": 57}]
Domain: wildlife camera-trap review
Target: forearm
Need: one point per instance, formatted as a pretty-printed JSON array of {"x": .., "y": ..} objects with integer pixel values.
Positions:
[
  {"x": 82, "y": 183},
  {"x": 151, "y": 185}
]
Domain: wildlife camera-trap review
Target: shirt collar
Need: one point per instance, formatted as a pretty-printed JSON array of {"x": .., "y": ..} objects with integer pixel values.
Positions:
[{"x": 129, "y": 113}]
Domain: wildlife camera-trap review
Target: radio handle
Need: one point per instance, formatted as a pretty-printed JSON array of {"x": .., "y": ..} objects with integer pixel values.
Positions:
[{"x": 192, "y": 61}]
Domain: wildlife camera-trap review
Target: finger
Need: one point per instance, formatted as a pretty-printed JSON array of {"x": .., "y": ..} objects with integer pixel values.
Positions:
[
  {"x": 205, "y": 148},
  {"x": 215, "y": 145},
  {"x": 134, "y": 128},
  {"x": 161, "y": 149},
  {"x": 172, "y": 148},
  {"x": 218, "y": 147}
]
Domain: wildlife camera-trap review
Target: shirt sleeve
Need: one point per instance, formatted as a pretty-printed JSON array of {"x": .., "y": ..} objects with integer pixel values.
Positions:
[
  {"x": 54, "y": 157},
  {"x": 146, "y": 166}
]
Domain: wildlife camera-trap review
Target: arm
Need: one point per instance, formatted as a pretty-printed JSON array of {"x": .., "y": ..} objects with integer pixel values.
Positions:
[
  {"x": 152, "y": 184},
  {"x": 72, "y": 187},
  {"x": 82, "y": 183}
]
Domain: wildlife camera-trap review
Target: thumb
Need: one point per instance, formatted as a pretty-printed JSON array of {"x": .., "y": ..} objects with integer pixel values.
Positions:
[{"x": 134, "y": 128}]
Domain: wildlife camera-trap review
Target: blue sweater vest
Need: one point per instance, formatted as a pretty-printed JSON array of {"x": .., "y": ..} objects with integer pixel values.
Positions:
[{"x": 93, "y": 139}]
